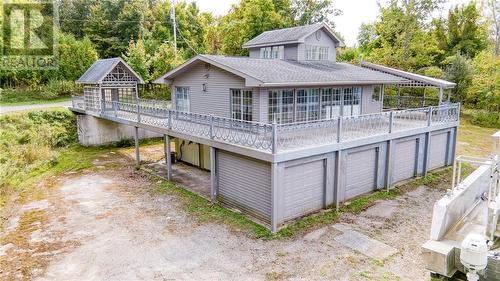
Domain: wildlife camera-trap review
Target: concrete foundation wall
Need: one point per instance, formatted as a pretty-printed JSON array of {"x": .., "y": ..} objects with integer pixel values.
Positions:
[{"x": 97, "y": 131}]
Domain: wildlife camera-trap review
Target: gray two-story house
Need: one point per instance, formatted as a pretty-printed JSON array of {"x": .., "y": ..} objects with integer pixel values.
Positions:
[{"x": 288, "y": 130}]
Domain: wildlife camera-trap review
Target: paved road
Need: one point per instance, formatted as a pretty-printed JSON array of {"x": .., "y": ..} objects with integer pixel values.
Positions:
[{"x": 12, "y": 108}]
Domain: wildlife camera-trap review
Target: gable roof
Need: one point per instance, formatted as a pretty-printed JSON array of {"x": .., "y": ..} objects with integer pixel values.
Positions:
[
  {"x": 290, "y": 35},
  {"x": 101, "y": 68},
  {"x": 277, "y": 73}
]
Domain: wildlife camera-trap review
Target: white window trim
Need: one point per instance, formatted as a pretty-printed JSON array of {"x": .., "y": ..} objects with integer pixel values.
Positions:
[{"x": 187, "y": 101}]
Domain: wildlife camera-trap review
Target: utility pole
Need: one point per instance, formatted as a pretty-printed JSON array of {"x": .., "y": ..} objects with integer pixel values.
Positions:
[{"x": 172, "y": 15}]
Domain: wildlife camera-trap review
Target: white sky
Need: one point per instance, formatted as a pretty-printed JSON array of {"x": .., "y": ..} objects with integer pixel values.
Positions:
[{"x": 355, "y": 12}]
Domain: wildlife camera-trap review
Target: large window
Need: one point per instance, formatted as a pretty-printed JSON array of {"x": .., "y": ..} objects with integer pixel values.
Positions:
[
  {"x": 352, "y": 101},
  {"x": 288, "y": 105},
  {"x": 182, "y": 99},
  {"x": 307, "y": 107},
  {"x": 330, "y": 102},
  {"x": 241, "y": 104},
  {"x": 276, "y": 52},
  {"x": 281, "y": 106},
  {"x": 314, "y": 52},
  {"x": 376, "y": 92}
]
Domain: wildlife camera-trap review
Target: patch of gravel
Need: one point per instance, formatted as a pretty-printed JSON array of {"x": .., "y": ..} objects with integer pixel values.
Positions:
[{"x": 121, "y": 231}]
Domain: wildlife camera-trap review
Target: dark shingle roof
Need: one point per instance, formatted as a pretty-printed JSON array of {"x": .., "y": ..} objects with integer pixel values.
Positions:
[
  {"x": 99, "y": 69},
  {"x": 275, "y": 72},
  {"x": 288, "y": 71},
  {"x": 287, "y": 35}
]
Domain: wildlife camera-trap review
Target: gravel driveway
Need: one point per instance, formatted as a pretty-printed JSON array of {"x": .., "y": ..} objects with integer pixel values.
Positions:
[
  {"x": 108, "y": 225},
  {"x": 12, "y": 108}
]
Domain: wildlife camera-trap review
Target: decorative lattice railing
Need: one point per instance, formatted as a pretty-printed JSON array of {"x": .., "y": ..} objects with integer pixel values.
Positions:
[{"x": 273, "y": 137}]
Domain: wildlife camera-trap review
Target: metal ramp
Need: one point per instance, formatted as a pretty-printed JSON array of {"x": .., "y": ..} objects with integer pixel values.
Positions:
[{"x": 470, "y": 207}]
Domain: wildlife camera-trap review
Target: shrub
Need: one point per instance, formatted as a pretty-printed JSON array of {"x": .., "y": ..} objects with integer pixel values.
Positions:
[
  {"x": 28, "y": 142},
  {"x": 486, "y": 119}
]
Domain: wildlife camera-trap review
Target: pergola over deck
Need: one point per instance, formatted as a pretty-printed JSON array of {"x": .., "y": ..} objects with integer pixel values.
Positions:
[
  {"x": 414, "y": 81},
  {"x": 109, "y": 81}
]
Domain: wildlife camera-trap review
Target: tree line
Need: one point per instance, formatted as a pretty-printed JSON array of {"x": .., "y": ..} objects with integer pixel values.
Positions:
[{"x": 462, "y": 47}]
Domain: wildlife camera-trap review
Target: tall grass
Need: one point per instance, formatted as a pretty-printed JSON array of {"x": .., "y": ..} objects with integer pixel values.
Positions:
[{"x": 29, "y": 141}]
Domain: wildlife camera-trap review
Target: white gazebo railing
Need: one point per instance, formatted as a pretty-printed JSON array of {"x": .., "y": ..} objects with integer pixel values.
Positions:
[{"x": 273, "y": 138}]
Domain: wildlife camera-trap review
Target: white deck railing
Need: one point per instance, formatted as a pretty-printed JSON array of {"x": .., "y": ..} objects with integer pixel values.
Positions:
[{"x": 272, "y": 138}]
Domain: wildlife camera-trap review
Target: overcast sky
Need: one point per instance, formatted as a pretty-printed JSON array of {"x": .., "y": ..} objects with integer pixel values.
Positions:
[{"x": 355, "y": 12}]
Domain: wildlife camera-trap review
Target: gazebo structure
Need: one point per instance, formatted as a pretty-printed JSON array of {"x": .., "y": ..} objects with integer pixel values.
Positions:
[{"x": 107, "y": 82}]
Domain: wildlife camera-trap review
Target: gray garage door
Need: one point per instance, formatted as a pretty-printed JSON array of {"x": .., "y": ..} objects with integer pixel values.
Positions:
[
  {"x": 361, "y": 170},
  {"x": 437, "y": 151},
  {"x": 304, "y": 188},
  {"x": 245, "y": 184},
  {"x": 405, "y": 157}
]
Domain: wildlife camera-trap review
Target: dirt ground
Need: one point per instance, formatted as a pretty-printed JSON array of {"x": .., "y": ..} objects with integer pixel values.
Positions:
[{"x": 107, "y": 224}]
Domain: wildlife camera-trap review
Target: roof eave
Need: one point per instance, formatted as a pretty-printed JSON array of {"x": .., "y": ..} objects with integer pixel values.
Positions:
[
  {"x": 335, "y": 83},
  {"x": 250, "y": 46}
]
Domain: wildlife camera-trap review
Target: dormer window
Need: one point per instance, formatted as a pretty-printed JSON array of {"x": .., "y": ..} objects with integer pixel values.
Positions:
[
  {"x": 276, "y": 52},
  {"x": 314, "y": 52}
]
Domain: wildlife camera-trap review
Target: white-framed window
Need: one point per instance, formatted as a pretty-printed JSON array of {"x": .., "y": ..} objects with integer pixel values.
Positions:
[
  {"x": 307, "y": 105},
  {"x": 376, "y": 92},
  {"x": 281, "y": 106},
  {"x": 299, "y": 105},
  {"x": 126, "y": 95},
  {"x": 314, "y": 52},
  {"x": 182, "y": 99},
  {"x": 241, "y": 104},
  {"x": 330, "y": 102},
  {"x": 352, "y": 101},
  {"x": 276, "y": 52}
]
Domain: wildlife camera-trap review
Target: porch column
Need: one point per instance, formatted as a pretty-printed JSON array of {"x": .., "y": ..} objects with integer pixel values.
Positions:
[
  {"x": 214, "y": 180},
  {"x": 399, "y": 97},
  {"x": 423, "y": 99},
  {"x": 136, "y": 140},
  {"x": 168, "y": 156},
  {"x": 440, "y": 95}
]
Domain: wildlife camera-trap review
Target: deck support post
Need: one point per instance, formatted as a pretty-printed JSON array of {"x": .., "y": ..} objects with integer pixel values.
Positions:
[
  {"x": 168, "y": 156},
  {"x": 426, "y": 153},
  {"x": 388, "y": 164},
  {"x": 213, "y": 175},
  {"x": 136, "y": 141},
  {"x": 274, "y": 197},
  {"x": 336, "y": 194}
]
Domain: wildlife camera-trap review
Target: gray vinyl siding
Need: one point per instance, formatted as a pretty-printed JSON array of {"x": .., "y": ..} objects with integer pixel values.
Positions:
[
  {"x": 304, "y": 189},
  {"x": 254, "y": 53},
  {"x": 291, "y": 52},
  {"x": 406, "y": 159},
  {"x": 438, "y": 152},
  {"x": 263, "y": 105},
  {"x": 367, "y": 104},
  {"x": 216, "y": 100},
  {"x": 245, "y": 184},
  {"x": 325, "y": 40}
]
